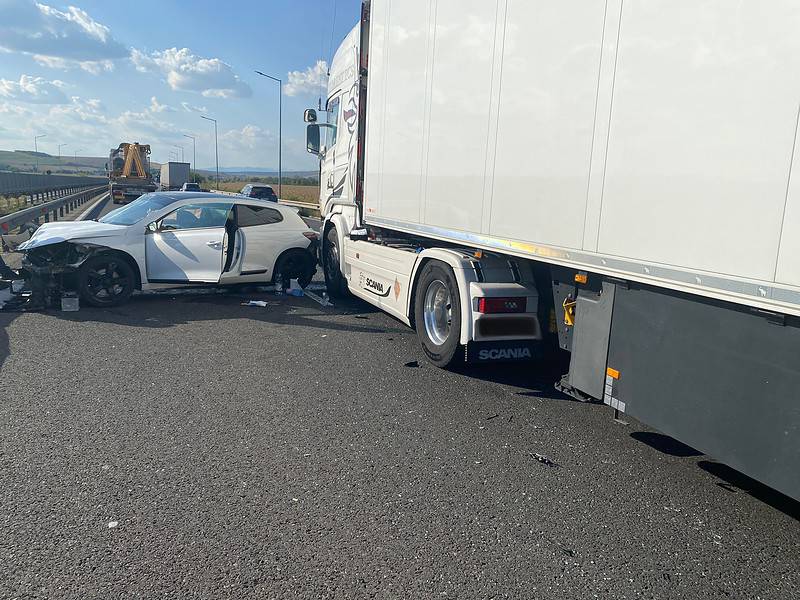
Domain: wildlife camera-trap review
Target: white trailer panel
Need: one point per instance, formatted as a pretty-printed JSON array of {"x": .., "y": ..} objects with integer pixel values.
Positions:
[
  {"x": 650, "y": 140},
  {"x": 551, "y": 57},
  {"x": 702, "y": 129}
]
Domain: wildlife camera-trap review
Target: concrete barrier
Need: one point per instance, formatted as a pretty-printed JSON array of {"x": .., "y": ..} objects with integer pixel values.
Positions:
[{"x": 18, "y": 184}]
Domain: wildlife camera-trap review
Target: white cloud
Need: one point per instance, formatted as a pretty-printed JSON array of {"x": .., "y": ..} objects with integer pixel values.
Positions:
[
  {"x": 193, "y": 109},
  {"x": 157, "y": 108},
  {"x": 57, "y": 39},
  {"x": 249, "y": 137},
  {"x": 35, "y": 90},
  {"x": 186, "y": 72},
  {"x": 309, "y": 81},
  {"x": 95, "y": 67}
]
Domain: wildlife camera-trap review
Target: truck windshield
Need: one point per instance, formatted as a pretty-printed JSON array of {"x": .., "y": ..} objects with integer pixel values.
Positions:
[{"x": 137, "y": 210}]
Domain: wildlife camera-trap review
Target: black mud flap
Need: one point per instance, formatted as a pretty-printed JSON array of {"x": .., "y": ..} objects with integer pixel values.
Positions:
[{"x": 503, "y": 351}]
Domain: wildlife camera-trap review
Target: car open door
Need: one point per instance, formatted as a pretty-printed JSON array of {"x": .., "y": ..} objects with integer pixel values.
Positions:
[{"x": 188, "y": 245}]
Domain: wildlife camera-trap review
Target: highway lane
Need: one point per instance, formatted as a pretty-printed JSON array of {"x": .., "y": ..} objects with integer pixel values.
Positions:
[{"x": 184, "y": 445}]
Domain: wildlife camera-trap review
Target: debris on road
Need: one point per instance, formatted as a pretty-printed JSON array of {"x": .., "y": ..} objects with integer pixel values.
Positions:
[
  {"x": 413, "y": 364},
  {"x": 70, "y": 302},
  {"x": 294, "y": 288},
  {"x": 323, "y": 301},
  {"x": 261, "y": 303},
  {"x": 112, "y": 524},
  {"x": 543, "y": 459}
]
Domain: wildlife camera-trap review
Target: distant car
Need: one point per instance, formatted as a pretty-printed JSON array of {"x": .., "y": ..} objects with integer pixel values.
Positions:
[
  {"x": 191, "y": 187},
  {"x": 260, "y": 191},
  {"x": 172, "y": 239}
]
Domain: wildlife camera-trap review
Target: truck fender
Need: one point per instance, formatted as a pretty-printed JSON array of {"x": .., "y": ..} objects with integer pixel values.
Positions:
[
  {"x": 464, "y": 272},
  {"x": 339, "y": 221}
]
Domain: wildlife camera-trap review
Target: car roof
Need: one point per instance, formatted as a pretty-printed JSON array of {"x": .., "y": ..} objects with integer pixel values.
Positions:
[{"x": 209, "y": 197}]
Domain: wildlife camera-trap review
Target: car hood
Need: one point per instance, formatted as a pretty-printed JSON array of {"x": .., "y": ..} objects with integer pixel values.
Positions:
[{"x": 53, "y": 233}]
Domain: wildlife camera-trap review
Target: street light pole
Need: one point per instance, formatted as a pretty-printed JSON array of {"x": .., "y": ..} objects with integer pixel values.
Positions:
[
  {"x": 194, "y": 155},
  {"x": 280, "y": 129},
  {"x": 76, "y": 153},
  {"x": 59, "y": 149},
  {"x": 36, "y": 148},
  {"x": 216, "y": 148}
]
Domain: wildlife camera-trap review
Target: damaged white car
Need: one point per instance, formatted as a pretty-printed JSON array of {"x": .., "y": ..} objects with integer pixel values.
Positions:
[{"x": 167, "y": 239}]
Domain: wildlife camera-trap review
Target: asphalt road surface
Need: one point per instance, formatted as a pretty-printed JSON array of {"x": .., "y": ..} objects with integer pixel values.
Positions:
[{"x": 186, "y": 446}]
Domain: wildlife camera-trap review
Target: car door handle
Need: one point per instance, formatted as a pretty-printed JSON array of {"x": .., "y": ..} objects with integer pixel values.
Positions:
[{"x": 217, "y": 245}]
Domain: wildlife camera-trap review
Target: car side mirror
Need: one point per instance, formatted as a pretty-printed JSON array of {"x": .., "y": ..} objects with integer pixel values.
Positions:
[
  {"x": 310, "y": 115},
  {"x": 312, "y": 139},
  {"x": 151, "y": 227}
]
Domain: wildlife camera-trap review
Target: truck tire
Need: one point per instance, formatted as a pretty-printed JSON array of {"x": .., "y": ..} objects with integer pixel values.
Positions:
[
  {"x": 437, "y": 314},
  {"x": 334, "y": 278}
]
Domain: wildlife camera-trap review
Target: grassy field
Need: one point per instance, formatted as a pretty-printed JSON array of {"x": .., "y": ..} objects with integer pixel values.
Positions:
[
  {"x": 68, "y": 163},
  {"x": 295, "y": 193}
]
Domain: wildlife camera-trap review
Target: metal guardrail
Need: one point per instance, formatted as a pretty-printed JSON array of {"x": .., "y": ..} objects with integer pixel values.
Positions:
[
  {"x": 57, "y": 208},
  {"x": 23, "y": 184}
]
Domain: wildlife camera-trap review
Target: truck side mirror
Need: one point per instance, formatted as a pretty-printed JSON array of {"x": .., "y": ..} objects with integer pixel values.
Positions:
[
  {"x": 312, "y": 139},
  {"x": 310, "y": 115}
]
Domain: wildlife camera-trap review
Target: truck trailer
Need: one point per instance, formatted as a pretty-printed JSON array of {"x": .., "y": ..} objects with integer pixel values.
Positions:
[
  {"x": 614, "y": 180},
  {"x": 174, "y": 175},
  {"x": 129, "y": 172}
]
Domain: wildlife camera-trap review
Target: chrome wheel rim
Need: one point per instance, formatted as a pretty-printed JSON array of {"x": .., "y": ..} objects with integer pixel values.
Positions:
[{"x": 438, "y": 312}]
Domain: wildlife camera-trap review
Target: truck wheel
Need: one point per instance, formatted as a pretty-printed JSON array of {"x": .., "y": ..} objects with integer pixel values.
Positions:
[
  {"x": 106, "y": 281},
  {"x": 437, "y": 314},
  {"x": 334, "y": 279}
]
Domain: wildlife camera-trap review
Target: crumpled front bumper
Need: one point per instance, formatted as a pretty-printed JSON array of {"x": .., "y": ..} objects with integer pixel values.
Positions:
[{"x": 47, "y": 271}]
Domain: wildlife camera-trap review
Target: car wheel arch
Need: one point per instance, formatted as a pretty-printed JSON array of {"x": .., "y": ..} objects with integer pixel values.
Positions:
[{"x": 127, "y": 258}]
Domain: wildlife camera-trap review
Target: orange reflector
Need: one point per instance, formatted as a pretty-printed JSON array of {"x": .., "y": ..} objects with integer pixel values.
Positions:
[
  {"x": 478, "y": 254},
  {"x": 581, "y": 278},
  {"x": 613, "y": 373}
]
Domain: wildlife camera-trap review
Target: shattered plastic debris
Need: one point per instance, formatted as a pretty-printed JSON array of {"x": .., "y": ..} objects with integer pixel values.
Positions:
[
  {"x": 543, "y": 459},
  {"x": 260, "y": 303},
  {"x": 70, "y": 302},
  {"x": 321, "y": 301},
  {"x": 112, "y": 524},
  {"x": 294, "y": 288},
  {"x": 412, "y": 363}
]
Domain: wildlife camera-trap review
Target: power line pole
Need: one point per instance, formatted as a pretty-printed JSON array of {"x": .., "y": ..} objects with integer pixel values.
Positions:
[
  {"x": 216, "y": 147},
  {"x": 280, "y": 129},
  {"x": 194, "y": 155}
]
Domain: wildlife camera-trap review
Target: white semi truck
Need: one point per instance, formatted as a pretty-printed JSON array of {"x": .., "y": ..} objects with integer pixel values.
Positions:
[{"x": 613, "y": 179}]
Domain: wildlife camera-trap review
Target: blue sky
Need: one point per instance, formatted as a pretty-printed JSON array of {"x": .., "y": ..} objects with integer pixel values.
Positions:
[{"x": 94, "y": 73}]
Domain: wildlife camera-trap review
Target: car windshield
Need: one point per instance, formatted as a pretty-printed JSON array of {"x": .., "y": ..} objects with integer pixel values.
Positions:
[{"x": 137, "y": 210}]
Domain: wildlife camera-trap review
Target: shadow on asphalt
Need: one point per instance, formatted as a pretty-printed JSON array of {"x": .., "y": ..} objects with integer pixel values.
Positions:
[
  {"x": 665, "y": 444},
  {"x": 5, "y": 348},
  {"x": 538, "y": 381},
  {"x": 164, "y": 310},
  {"x": 733, "y": 481}
]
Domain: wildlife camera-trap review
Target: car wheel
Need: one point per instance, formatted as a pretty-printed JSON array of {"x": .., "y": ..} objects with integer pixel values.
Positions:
[
  {"x": 437, "y": 314},
  {"x": 334, "y": 279},
  {"x": 106, "y": 281},
  {"x": 295, "y": 264}
]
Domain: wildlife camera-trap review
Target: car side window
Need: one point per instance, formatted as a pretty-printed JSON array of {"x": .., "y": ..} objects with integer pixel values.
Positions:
[
  {"x": 196, "y": 216},
  {"x": 248, "y": 215}
]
